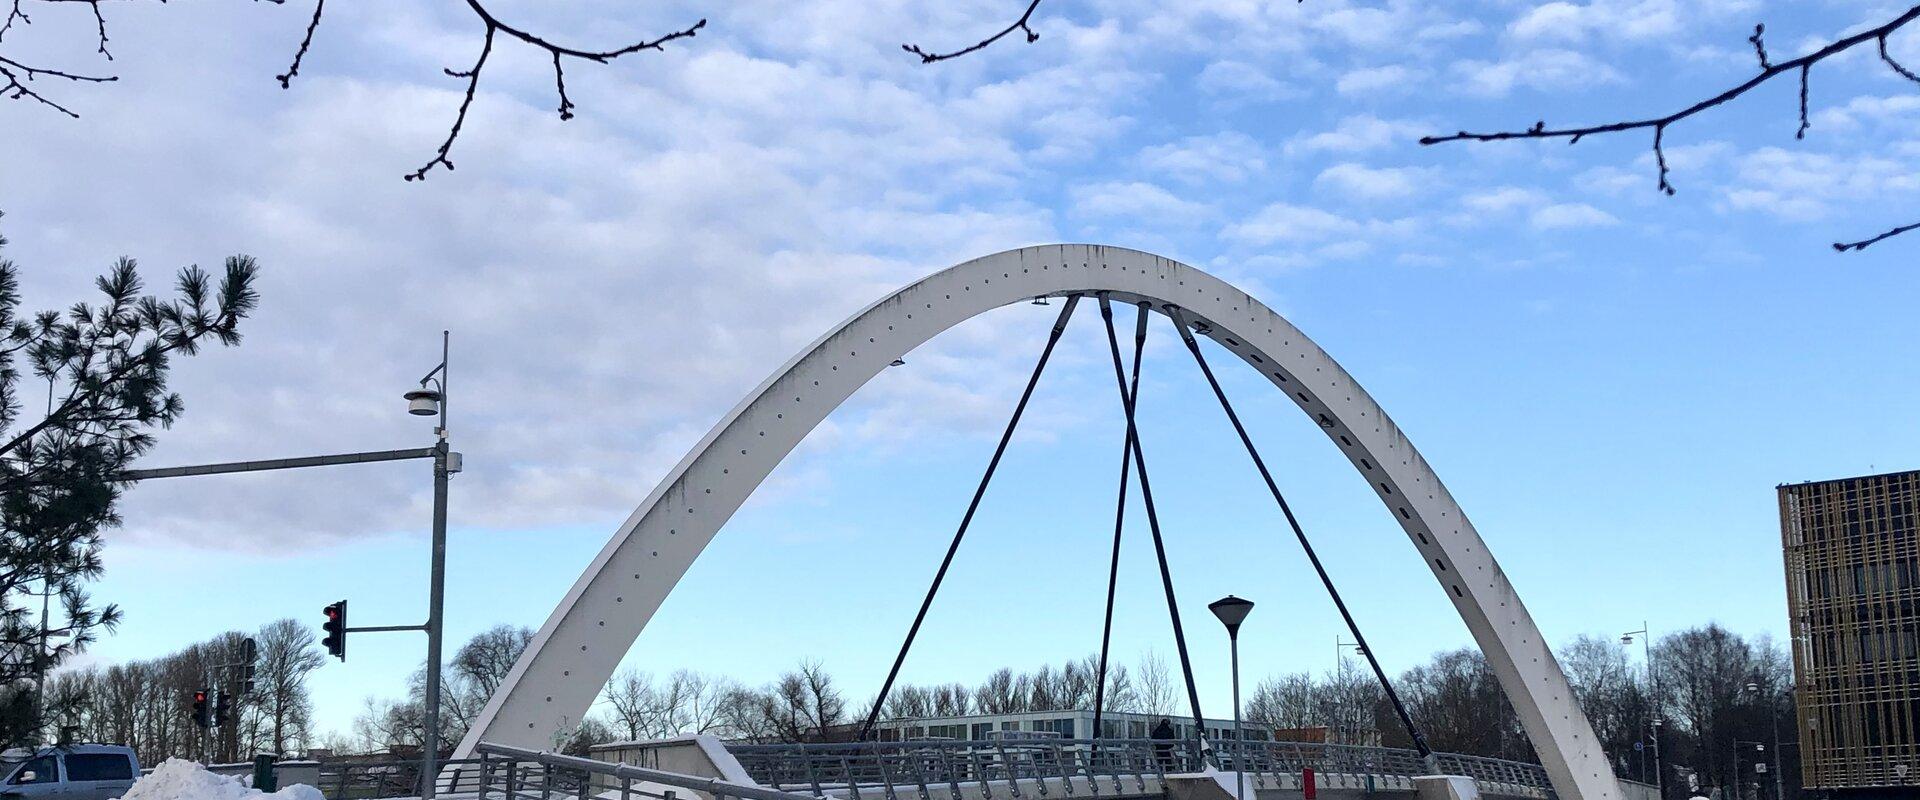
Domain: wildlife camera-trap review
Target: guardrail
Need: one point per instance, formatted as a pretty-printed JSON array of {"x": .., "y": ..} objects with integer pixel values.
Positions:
[
  {"x": 853, "y": 767},
  {"x": 364, "y": 780},
  {"x": 512, "y": 773}
]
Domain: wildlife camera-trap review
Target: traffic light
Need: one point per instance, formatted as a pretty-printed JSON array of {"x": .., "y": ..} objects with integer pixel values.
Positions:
[
  {"x": 252, "y": 654},
  {"x": 223, "y": 709},
  {"x": 200, "y": 717},
  {"x": 336, "y": 628}
]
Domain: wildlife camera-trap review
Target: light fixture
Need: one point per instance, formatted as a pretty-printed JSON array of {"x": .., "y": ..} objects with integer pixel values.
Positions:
[
  {"x": 1201, "y": 328},
  {"x": 1040, "y": 301},
  {"x": 898, "y": 362},
  {"x": 423, "y": 402},
  {"x": 1231, "y": 611},
  {"x": 1626, "y": 638}
]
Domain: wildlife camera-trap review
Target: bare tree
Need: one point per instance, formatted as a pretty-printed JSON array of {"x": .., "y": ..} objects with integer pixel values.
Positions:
[
  {"x": 1157, "y": 692},
  {"x": 1801, "y": 67},
  {"x": 286, "y": 656},
  {"x": 804, "y": 705}
]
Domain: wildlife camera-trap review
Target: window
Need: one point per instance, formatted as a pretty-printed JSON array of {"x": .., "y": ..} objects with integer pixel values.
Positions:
[
  {"x": 98, "y": 767},
  {"x": 981, "y": 729},
  {"x": 43, "y": 769}
]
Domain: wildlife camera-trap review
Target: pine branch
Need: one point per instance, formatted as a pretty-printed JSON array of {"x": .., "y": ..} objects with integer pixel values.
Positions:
[{"x": 1768, "y": 71}]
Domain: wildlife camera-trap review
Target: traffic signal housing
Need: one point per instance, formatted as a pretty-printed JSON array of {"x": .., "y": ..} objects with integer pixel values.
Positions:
[
  {"x": 200, "y": 717},
  {"x": 252, "y": 654},
  {"x": 336, "y": 628},
  {"x": 223, "y": 709}
]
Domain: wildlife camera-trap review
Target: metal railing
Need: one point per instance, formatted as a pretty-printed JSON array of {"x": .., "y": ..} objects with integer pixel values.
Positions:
[
  {"x": 512, "y": 773},
  {"x": 878, "y": 767},
  {"x": 1108, "y": 766},
  {"x": 363, "y": 780}
]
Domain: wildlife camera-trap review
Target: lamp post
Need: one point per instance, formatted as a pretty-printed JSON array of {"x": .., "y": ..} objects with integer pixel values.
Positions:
[
  {"x": 1341, "y": 713},
  {"x": 1653, "y": 698},
  {"x": 1773, "y": 721},
  {"x": 1738, "y": 779},
  {"x": 1232, "y": 611},
  {"x": 427, "y": 402}
]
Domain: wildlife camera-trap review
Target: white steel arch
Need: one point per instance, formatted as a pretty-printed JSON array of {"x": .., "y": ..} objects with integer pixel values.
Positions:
[{"x": 576, "y": 651}]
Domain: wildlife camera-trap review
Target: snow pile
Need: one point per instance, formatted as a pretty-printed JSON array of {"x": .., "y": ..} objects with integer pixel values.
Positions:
[{"x": 180, "y": 779}]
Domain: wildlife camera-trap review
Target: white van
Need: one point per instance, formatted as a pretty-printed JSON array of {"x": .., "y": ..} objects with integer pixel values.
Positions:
[{"x": 72, "y": 772}]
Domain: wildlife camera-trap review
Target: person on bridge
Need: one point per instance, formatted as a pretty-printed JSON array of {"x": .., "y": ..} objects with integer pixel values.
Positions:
[{"x": 1163, "y": 731}]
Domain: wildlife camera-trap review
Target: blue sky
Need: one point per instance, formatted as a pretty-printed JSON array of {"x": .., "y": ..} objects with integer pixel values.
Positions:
[{"x": 1610, "y": 381}]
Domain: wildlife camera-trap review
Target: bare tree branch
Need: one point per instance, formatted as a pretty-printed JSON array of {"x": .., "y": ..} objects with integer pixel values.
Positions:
[
  {"x": 286, "y": 78},
  {"x": 1020, "y": 24},
  {"x": 1866, "y": 243},
  {"x": 495, "y": 26},
  {"x": 18, "y": 75},
  {"x": 1768, "y": 71}
]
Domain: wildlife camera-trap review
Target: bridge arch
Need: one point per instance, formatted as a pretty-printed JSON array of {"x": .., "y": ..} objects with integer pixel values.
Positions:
[{"x": 576, "y": 651}]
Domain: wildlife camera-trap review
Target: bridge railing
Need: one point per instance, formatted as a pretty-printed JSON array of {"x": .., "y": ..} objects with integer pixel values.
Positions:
[
  {"x": 512, "y": 773},
  {"x": 853, "y": 767},
  {"x": 874, "y": 765}
]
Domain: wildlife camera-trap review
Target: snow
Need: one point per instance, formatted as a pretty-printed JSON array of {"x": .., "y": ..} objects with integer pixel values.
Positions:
[{"x": 180, "y": 779}]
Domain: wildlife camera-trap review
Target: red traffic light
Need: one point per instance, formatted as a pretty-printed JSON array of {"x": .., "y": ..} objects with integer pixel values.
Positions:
[
  {"x": 200, "y": 696},
  {"x": 336, "y": 630}
]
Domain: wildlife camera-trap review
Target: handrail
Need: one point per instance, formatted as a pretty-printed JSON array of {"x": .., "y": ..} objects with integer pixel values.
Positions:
[{"x": 712, "y": 786}]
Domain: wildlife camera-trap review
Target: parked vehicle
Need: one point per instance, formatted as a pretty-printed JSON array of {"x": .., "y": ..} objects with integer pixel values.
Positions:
[{"x": 70, "y": 772}]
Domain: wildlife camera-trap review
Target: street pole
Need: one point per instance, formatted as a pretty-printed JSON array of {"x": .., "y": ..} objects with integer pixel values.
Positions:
[
  {"x": 1231, "y": 611},
  {"x": 1653, "y": 687},
  {"x": 1239, "y": 738},
  {"x": 436, "y": 591}
]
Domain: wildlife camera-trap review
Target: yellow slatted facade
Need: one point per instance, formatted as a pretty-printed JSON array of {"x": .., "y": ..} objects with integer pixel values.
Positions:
[{"x": 1853, "y": 599}]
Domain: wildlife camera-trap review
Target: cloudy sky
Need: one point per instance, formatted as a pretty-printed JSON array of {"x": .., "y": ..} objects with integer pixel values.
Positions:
[{"x": 1612, "y": 381}]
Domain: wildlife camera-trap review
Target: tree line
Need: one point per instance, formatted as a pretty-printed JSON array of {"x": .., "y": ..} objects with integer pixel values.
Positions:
[
  {"x": 1713, "y": 688},
  {"x": 148, "y": 704}
]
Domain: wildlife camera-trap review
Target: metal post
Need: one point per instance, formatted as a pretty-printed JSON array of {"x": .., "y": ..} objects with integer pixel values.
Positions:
[
  {"x": 436, "y": 591},
  {"x": 1239, "y": 738},
  {"x": 1653, "y": 684},
  {"x": 436, "y": 596}
]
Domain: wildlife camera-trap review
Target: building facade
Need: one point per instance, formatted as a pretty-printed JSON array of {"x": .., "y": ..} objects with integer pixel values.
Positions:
[{"x": 1853, "y": 599}]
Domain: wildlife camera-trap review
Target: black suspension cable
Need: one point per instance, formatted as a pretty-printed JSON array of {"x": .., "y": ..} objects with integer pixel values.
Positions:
[
  {"x": 999, "y": 450},
  {"x": 1193, "y": 346},
  {"x": 1113, "y": 568},
  {"x": 1153, "y": 517}
]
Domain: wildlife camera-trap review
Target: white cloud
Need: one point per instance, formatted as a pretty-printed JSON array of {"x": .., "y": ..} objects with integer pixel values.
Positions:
[
  {"x": 1629, "y": 20},
  {"x": 1388, "y": 79},
  {"x": 1374, "y": 183},
  {"x": 1503, "y": 199},
  {"x": 1226, "y": 157},
  {"x": 1547, "y": 69},
  {"x": 1241, "y": 81},
  {"x": 1136, "y": 200},
  {"x": 1357, "y": 134},
  {"x": 1807, "y": 186},
  {"x": 1571, "y": 215},
  {"x": 1868, "y": 109},
  {"x": 1285, "y": 222}
]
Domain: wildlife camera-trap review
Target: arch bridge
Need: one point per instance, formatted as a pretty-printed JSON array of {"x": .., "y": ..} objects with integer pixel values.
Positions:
[{"x": 576, "y": 651}]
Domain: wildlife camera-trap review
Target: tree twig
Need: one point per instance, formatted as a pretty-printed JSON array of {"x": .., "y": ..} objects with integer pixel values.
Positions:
[
  {"x": 495, "y": 26},
  {"x": 1768, "y": 71},
  {"x": 286, "y": 78},
  {"x": 18, "y": 75},
  {"x": 1021, "y": 24}
]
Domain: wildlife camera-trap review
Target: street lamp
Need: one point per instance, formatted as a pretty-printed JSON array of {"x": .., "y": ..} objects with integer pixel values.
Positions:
[
  {"x": 1653, "y": 699},
  {"x": 1759, "y": 766},
  {"x": 1232, "y": 611},
  {"x": 427, "y": 402},
  {"x": 1773, "y": 721}
]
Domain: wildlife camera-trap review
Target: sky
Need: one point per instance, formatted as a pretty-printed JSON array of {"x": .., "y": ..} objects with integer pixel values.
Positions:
[{"x": 1611, "y": 381}]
